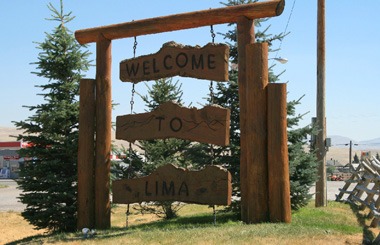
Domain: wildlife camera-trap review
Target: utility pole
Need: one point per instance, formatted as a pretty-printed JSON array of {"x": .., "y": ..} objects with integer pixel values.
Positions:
[
  {"x": 350, "y": 153},
  {"x": 321, "y": 188}
]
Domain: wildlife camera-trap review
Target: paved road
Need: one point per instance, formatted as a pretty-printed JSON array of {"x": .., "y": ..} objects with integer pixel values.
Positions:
[
  {"x": 8, "y": 196},
  {"x": 10, "y": 202},
  {"x": 332, "y": 189}
]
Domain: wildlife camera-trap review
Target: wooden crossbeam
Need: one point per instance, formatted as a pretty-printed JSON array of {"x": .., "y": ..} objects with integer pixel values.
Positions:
[
  {"x": 365, "y": 189},
  {"x": 182, "y": 21}
]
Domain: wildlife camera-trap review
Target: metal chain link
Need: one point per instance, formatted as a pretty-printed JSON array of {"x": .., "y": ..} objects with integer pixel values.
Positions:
[
  {"x": 132, "y": 102},
  {"x": 211, "y": 87},
  {"x": 212, "y": 33},
  {"x": 134, "y": 48}
]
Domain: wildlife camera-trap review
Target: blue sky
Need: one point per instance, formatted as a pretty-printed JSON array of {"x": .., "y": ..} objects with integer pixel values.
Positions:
[{"x": 352, "y": 55}]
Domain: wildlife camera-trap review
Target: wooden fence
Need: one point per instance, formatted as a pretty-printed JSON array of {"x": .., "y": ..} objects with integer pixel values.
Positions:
[{"x": 366, "y": 188}]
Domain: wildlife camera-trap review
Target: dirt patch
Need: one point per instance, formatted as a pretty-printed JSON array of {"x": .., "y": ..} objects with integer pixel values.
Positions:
[{"x": 15, "y": 227}]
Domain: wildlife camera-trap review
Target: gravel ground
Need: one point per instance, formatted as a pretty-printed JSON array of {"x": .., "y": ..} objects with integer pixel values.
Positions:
[
  {"x": 8, "y": 196},
  {"x": 332, "y": 189}
]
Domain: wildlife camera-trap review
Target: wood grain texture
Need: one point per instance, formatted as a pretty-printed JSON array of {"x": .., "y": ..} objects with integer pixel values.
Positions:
[
  {"x": 208, "y": 62},
  {"x": 182, "y": 21},
  {"x": 210, "y": 124},
  {"x": 321, "y": 186},
  {"x": 278, "y": 161},
  {"x": 256, "y": 132},
  {"x": 103, "y": 134},
  {"x": 86, "y": 155},
  {"x": 211, "y": 185},
  {"x": 245, "y": 35}
]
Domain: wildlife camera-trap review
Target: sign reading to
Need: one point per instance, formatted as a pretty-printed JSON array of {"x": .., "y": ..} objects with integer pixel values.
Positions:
[
  {"x": 207, "y": 125},
  {"x": 209, "y": 62},
  {"x": 211, "y": 185}
]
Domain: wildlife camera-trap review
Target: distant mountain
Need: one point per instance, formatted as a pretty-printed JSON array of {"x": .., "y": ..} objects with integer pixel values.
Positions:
[
  {"x": 340, "y": 141},
  {"x": 336, "y": 140},
  {"x": 6, "y": 133},
  {"x": 370, "y": 144}
]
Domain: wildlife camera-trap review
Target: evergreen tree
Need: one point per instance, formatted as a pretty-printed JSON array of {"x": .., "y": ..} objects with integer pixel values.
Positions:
[
  {"x": 49, "y": 175},
  {"x": 356, "y": 159},
  {"x": 302, "y": 164}
]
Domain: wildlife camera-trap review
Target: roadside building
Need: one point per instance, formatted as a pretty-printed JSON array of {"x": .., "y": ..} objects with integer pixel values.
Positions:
[{"x": 9, "y": 159}]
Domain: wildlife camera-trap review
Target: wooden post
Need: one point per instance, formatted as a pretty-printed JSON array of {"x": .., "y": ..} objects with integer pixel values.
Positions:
[
  {"x": 256, "y": 132},
  {"x": 245, "y": 35},
  {"x": 86, "y": 164},
  {"x": 182, "y": 21},
  {"x": 278, "y": 162},
  {"x": 321, "y": 186},
  {"x": 103, "y": 133}
]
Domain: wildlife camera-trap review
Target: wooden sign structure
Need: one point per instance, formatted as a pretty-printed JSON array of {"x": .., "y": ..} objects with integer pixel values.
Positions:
[
  {"x": 210, "y": 124},
  {"x": 263, "y": 199},
  {"x": 211, "y": 186},
  {"x": 209, "y": 62},
  {"x": 169, "y": 120}
]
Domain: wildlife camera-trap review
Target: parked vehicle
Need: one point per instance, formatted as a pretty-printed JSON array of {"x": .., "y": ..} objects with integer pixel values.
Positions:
[
  {"x": 5, "y": 173},
  {"x": 336, "y": 178}
]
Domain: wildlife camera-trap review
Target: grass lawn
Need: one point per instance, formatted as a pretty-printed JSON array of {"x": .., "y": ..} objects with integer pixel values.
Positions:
[{"x": 335, "y": 224}]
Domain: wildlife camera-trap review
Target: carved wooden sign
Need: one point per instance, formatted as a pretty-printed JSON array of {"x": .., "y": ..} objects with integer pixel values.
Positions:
[
  {"x": 211, "y": 185},
  {"x": 207, "y": 125},
  {"x": 209, "y": 62}
]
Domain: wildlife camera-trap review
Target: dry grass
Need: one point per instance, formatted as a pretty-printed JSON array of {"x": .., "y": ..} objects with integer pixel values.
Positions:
[
  {"x": 341, "y": 154},
  {"x": 336, "y": 224},
  {"x": 14, "y": 227}
]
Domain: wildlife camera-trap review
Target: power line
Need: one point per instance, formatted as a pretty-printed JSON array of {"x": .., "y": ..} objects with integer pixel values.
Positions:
[{"x": 286, "y": 28}]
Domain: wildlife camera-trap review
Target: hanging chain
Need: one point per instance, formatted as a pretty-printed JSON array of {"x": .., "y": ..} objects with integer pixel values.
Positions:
[
  {"x": 127, "y": 215},
  {"x": 212, "y": 154},
  {"x": 134, "y": 48},
  {"x": 132, "y": 102},
  {"x": 212, "y": 33},
  {"x": 133, "y": 86},
  {"x": 214, "y": 213},
  {"x": 211, "y": 87}
]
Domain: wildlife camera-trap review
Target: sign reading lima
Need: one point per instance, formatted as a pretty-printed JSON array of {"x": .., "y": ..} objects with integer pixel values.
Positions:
[
  {"x": 211, "y": 185},
  {"x": 209, "y": 62}
]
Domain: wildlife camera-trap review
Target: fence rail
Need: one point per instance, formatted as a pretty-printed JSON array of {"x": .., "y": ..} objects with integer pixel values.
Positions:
[{"x": 366, "y": 191}]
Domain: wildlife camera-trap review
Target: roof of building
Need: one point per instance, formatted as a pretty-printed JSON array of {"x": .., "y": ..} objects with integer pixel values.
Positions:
[{"x": 10, "y": 144}]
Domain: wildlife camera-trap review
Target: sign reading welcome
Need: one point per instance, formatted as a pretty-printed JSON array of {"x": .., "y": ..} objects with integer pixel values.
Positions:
[
  {"x": 209, "y": 62},
  {"x": 211, "y": 185}
]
